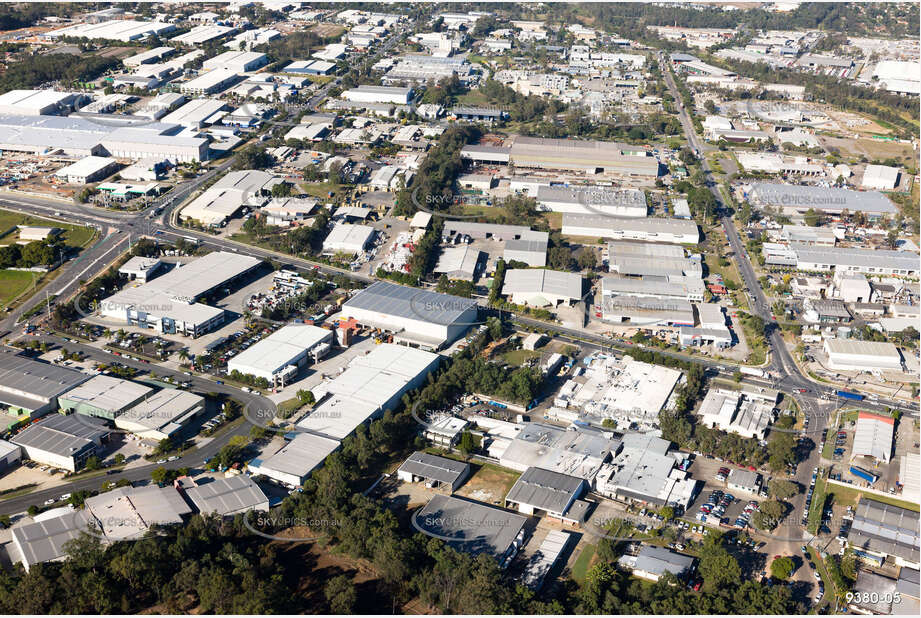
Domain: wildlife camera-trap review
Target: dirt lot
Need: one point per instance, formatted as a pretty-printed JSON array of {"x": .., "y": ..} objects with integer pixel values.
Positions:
[
  {"x": 488, "y": 483},
  {"x": 870, "y": 148}
]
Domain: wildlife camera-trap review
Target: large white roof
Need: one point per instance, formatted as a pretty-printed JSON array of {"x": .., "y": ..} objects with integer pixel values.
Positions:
[
  {"x": 873, "y": 436},
  {"x": 279, "y": 349}
]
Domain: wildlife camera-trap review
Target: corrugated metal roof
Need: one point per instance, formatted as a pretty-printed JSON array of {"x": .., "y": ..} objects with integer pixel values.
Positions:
[
  {"x": 228, "y": 495},
  {"x": 432, "y": 467},
  {"x": 545, "y": 489}
]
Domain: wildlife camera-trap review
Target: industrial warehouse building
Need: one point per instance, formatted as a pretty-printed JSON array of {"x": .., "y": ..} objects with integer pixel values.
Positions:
[
  {"x": 238, "y": 61},
  {"x": 652, "y": 562},
  {"x": 885, "y": 530},
  {"x": 873, "y": 436},
  {"x": 369, "y": 386},
  {"x": 10, "y": 454},
  {"x": 168, "y": 303},
  {"x": 796, "y": 200},
  {"x": 650, "y": 229},
  {"x": 867, "y": 261},
  {"x": 563, "y": 154},
  {"x": 103, "y": 396},
  {"x": 211, "y": 82},
  {"x": 30, "y": 388},
  {"x": 82, "y": 137},
  {"x": 44, "y": 540},
  {"x": 546, "y": 492},
  {"x": 880, "y": 177},
  {"x": 379, "y": 94},
  {"x": 459, "y": 262},
  {"x": 127, "y": 513},
  {"x": 645, "y": 471},
  {"x": 292, "y": 464},
  {"x": 162, "y": 414},
  {"x": 197, "y": 113},
  {"x": 228, "y": 496},
  {"x": 473, "y": 527},
  {"x": 435, "y": 471},
  {"x": 604, "y": 201},
  {"x": 224, "y": 198},
  {"x": 685, "y": 288},
  {"x": 39, "y": 102},
  {"x": 853, "y": 355},
  {"x": 647, "y": 311},
  {"x": 278, "y": 357},
  {"x": 416, "y": 317},
  {"x": 348, "y": 238},
  {"x": 124, "y": 30},
  {"x": 649, "y": 259},
  {"x": 86, "y": 170},
  {"x": 64, "y": 442},
  {"x": 539, "y": 287}
]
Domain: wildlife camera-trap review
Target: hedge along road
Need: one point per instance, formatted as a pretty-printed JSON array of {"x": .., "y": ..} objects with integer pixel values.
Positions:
[{"x": 194, "y": 459}]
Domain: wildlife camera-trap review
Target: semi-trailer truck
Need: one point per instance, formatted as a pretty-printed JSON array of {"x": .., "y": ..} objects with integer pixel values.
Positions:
[{"x": 752, "y": 371}]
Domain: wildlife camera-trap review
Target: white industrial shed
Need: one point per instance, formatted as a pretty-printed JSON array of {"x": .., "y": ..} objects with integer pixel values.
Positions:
[
  {"x": 539, "y": 287},
  {"x": 873, "y": 436},
  {"x": 417, "y": 317},
  {"x": 293, "y": 463},
  {"x": 853, "y": 355},
  {"x": 87, "y": 169},
  {"x": 278, "y": 356},
  {"x": 372, "y": 384},
  {"x": 880, "y": 177},
  {"x": 162, "y": 414},
  {"x": 348, "y": 238}
]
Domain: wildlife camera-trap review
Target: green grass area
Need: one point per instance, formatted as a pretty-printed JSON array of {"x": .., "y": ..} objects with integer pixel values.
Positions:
[
  {"x": 829, "y": 449},
  {"x": 13, "y": 283},
  {"x": 519, "y": 357},
  {"x": 287, "y": 407},
  {"x": 74, "y": 235},
  {"x": 473, "y": 98},
  {"x": 816, "y": 557},
  {"x": 580, "y": 567},
  {"x": 321, "y": 190},
  {"x": 817, "y": 505},
  {"x": 849, "y": 496}
]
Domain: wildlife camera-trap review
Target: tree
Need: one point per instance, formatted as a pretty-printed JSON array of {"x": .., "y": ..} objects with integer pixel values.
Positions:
[
  {"x": 159, "y": 475},
  {"x": 782, "y": 568},
  {"x": 164, "y": 446},
  {"x": 306, "y": 397},
  {"x": 119, "y": 459},
  {"x": 341, "y": 595},
  {"x": 467, "y": 443},
  {"x": 32, "y": 511},
  {"x": 710, "y": 106},
  {"x": 92, "y": 463},
  {"x": 768, "y": 515},
  {"x": 782, "y": 489},
  {"x": 717, "y": 566},
  {"x": 737, "y": 376},
  {"x": 812, "y": 218},
  {"x": 667, "y": 513}
]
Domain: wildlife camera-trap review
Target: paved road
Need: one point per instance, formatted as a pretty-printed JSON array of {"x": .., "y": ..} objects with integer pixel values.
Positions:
[
  {"x": 201, "y": 385},
  {"x": 788, "y": 377}
]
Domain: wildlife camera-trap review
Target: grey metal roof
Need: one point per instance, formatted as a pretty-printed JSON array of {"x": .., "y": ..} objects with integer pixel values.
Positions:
[
  {"x": 592, "y": 195},
  {"x": 644, "y": 249},
  {"x": 411, "y": 303},
  {"x": 821, "y": 198},
  {"x": 543, "y": 281},
  {"x": 62, "y": 435},
  {"x": 43, "y": 541},
  {"x": 886, "y": 529},
  {"x": 227, "y": 496},
  {"x": 473, "y": 527},
  {"x": 831, "y": 307},
  {"x": 658, "y": 560},
  {"x": 658, "y": 225},
  {"x": 44, "y": 380},
  {"x": 545, "y": 489},
  {"x": 433, "y": 467},
  {"x": 743, "y": 478},
  {"x": 529, "y": 246},
  {"x": 866, "y": 258}
]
